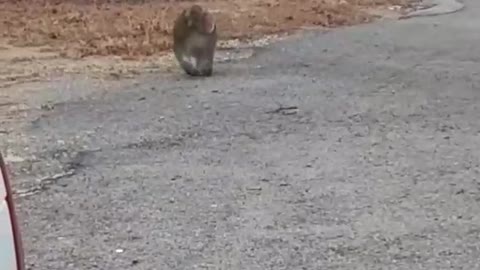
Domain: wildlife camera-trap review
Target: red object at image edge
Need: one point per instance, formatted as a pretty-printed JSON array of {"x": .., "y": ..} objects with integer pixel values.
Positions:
[{"x": 13, "y": 217}]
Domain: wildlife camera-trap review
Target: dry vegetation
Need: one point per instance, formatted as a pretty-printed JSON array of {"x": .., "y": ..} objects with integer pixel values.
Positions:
[{"x": 80, "y": 28}]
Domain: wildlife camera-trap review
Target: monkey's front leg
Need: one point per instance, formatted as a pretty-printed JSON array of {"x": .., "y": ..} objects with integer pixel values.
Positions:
[
  {"x": 189, "y": 64},
  {"x": 204, "y": 63},
  {"x": 206, "y": 68}
]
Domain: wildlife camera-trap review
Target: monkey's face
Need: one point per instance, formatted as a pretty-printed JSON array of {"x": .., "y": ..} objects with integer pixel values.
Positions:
[{"x": 200, "y": 20}]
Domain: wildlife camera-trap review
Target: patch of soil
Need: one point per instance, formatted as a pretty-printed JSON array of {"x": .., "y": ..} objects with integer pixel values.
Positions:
[{"x": 80, "y": 28}]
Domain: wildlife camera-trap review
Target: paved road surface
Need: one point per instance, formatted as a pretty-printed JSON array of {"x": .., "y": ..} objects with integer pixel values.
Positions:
[{"x": 377, "y": 168}]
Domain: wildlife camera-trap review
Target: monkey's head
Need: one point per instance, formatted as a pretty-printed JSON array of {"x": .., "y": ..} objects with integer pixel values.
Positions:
[{"x": 199, "y": 19}]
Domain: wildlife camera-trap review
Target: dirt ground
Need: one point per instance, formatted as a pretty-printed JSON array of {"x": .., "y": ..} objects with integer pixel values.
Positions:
[{"x": 43, "y": 37}]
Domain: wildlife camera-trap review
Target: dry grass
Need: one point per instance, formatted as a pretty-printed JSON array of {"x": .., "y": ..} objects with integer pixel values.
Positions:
[{"x": 80, "y": 28}]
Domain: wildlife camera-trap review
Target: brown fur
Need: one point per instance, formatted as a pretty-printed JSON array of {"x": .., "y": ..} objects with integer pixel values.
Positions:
[{"x": 195, "y": 38}]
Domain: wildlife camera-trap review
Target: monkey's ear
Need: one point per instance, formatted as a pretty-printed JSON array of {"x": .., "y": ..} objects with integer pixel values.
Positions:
[{"x": 209, "y": 23}]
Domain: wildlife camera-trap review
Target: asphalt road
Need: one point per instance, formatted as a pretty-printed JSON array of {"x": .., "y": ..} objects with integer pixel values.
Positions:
[{"x": 375, "y": 167}]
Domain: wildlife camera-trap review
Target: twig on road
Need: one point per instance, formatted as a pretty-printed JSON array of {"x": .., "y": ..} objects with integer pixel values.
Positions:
[
  {"x": 42, "y": 183},
  {"x": 284, "y": 110}
]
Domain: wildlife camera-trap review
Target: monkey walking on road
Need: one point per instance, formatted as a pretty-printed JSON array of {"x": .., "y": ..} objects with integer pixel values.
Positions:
[{"x": 195, "y": 40}]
